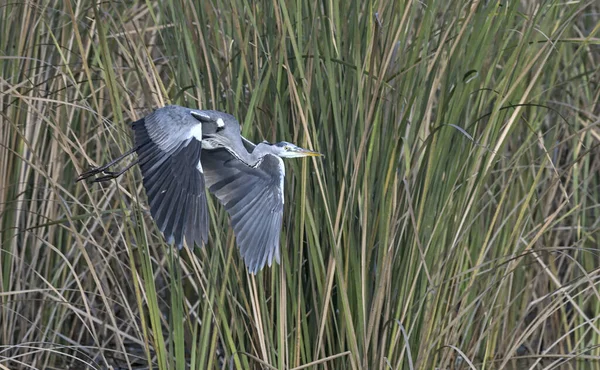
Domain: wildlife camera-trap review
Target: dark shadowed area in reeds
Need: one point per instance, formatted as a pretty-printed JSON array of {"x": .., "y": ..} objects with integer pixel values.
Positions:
[{"x": 454, "y": 222}]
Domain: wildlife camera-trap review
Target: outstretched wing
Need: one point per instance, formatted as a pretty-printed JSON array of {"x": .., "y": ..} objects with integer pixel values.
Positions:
[
  {"x": 253, "y": 197},
  {"x": 169, "y": 150}
]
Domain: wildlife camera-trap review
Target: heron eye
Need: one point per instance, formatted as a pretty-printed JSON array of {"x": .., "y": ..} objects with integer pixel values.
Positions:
[{"x": 287, "y": 148}]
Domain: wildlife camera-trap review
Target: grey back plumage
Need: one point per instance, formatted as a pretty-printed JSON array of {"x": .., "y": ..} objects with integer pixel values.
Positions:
[{"x": 170, "y": 126}]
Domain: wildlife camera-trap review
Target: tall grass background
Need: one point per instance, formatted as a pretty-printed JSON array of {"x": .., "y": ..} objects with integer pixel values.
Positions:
[{"x": 453, "y": 223}]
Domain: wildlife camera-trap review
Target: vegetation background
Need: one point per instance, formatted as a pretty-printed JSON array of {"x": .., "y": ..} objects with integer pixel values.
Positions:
[{"x": 453, "y": 224}]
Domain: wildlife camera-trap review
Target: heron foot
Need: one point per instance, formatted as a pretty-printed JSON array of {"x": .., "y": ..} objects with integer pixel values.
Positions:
[{"x": 109, "y": 175}]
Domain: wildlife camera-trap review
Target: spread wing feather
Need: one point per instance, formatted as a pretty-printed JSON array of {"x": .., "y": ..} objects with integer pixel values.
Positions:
[
  {"x": 174, "y": 183},
  {"x": 253, "y": 197}
]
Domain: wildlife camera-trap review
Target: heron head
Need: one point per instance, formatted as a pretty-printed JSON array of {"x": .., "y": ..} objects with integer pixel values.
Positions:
[{"x": 284, "y": 149}]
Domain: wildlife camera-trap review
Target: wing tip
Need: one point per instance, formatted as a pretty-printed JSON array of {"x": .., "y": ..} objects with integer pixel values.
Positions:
[
  {"x": 197, "y": 243},
  {"x": 190, "y": 244},
  {"x": 255, "y": 266}
]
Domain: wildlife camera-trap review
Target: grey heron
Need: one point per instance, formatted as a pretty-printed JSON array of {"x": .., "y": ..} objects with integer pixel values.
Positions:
[{"x": 181, "y": 151}]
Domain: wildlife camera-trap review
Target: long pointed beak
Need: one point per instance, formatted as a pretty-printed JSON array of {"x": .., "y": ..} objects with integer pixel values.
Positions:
[{"x": 301, "y": 152}]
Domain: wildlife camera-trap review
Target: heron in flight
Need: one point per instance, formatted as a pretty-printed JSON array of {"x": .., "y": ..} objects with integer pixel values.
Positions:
[{"x": 181, "y": 151}]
